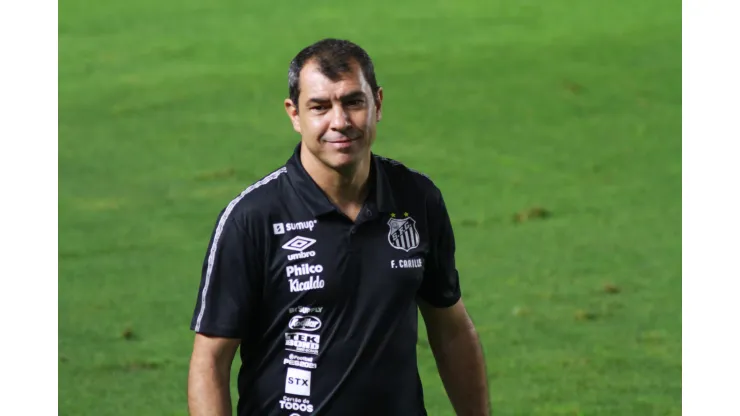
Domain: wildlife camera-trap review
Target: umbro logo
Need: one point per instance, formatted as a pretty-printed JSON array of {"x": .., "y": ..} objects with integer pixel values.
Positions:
[{"x": 299, "y": 244}]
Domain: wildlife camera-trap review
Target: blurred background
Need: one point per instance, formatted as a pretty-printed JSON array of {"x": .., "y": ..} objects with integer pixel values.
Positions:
[{"x": 552, "y": 128}]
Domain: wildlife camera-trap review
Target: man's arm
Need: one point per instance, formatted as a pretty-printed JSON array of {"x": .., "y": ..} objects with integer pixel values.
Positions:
[
  {"x": 209, "y": 392},
  {"x": 224, "y": 313},
  {"x": 459, "y": 357}
]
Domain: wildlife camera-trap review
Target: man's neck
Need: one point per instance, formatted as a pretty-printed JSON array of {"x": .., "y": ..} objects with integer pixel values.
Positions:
[{"x": 346, "y": 189}]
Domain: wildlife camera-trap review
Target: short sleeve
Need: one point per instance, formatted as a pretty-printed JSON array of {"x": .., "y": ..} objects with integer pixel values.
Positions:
[
  {"x": 229, "y": 285},
  {"x": 441, "y": 284}
]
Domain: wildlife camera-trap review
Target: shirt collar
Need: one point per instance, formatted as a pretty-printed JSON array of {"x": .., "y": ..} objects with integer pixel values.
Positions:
[{"x": 380, "y": 196}]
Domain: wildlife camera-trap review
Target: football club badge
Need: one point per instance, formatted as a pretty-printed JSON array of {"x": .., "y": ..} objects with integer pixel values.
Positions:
[{"x": 403, "y": 234}]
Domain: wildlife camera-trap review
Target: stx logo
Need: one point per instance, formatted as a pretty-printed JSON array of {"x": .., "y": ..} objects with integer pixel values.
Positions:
[{"x": 298, "y": 382}]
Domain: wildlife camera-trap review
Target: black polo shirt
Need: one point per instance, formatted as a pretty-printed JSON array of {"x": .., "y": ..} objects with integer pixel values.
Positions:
[{"x": 326, "y": 308}]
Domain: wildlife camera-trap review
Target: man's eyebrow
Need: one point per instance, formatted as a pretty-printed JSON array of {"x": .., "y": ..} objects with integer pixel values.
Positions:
[
  {"x": 350, "y": 96},
  {"x": 319, "y": 100},
  {"x": 353, "y": 95}
]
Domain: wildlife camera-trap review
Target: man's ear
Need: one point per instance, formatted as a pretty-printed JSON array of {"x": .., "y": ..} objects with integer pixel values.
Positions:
[
  {"x": 379, "y": 104},
  {"x": 292, "y": 110}
]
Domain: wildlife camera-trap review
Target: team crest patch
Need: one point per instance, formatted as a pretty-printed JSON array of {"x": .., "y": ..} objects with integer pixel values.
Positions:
[{"x": 403, "y": 234}]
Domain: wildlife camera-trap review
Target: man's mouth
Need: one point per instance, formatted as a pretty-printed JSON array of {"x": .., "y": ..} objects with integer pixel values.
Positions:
[{"x": 340, "y": 140}]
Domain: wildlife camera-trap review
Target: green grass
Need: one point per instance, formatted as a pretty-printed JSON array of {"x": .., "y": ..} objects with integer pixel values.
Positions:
[{"x": 169, "y": 109}]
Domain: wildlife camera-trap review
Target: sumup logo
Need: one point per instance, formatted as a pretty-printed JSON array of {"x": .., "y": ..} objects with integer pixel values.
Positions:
[{"x": 282, "y": 228}]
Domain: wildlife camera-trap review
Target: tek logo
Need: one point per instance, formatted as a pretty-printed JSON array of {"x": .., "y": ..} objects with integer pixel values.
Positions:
[
  {"x": 302, "y": 342},
  {"x": 298, "y": 382}
]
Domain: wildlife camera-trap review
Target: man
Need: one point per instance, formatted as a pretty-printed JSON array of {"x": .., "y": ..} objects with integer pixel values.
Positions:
[{"x": 317, "y": 270}]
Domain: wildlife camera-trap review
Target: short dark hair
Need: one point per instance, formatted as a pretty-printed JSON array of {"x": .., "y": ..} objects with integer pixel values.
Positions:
[{"x": 334, "y": 57}]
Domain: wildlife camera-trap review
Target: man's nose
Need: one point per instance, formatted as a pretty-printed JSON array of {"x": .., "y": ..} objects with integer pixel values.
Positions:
[{"x": 339, "y": 118}]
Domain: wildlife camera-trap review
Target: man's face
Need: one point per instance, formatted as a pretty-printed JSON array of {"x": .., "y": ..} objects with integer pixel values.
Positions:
[{"x": 336, "y": 119}]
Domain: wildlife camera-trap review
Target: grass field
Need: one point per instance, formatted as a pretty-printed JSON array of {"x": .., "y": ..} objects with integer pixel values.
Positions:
[{"x": 169, "y": 109}]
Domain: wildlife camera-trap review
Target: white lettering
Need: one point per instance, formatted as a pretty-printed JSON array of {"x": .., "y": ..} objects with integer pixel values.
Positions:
[
  {"x": 314, "y": 282},
  {"x": 302, "y": 364},
  {"x": 308, "y": 323},
  {"x": 306, "y": 309},
  {"x": 281, "y": 228},
  {"x": 303, "y": 269},
  {"x": 305, "y": 255},
  {"x": 288, "y": 405},
  {"x": 302, "y": 342},
  {"x": 410, "y": 264}
]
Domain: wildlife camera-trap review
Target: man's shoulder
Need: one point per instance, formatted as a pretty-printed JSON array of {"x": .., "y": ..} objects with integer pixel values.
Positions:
[
  {"x": 259, "y": 198},
  {"x": 410, "y": 179}
]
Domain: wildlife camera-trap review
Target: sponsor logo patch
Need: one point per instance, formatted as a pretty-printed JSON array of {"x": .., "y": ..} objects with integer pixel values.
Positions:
[
  {"x": 295, "y": 360},
  {"x": 306, "y": 309},
  {"x": 298, "y": 382},
  {"x": 282, "y": 228},
  {"x": 299, "y": 244},
  {"x": 302, "y": 342},
  {"x": 295, "y": 403},
  {"x": 303, "y": 269},
  {"x": 313, "y": 283},
  {"x": 304, "y": 323}
]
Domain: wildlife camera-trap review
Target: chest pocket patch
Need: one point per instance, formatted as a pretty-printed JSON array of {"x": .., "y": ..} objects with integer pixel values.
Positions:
[{"x": 402, "y": 233}]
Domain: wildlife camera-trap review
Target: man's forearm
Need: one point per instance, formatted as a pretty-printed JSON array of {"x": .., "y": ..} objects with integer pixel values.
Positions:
[
  {"x": 208, "y": 391},
  {"x": 462, "y": 370}
]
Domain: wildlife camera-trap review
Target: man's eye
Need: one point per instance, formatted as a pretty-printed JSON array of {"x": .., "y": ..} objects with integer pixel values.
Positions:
[
  {"x": 318, "y": 108},
  {"x": 354, "y": 103}
]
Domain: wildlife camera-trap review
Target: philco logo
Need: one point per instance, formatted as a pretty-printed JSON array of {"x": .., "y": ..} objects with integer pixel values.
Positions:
[
  {"x": 303, "y": 269},
  {"x": 282, "y": 228},
  {"x": 299, "y": 244},
  {"x": 306, "y": 323}
]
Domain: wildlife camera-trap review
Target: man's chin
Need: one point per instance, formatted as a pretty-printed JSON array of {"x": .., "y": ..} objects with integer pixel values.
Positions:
[{"x": 342, "y": 161}]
